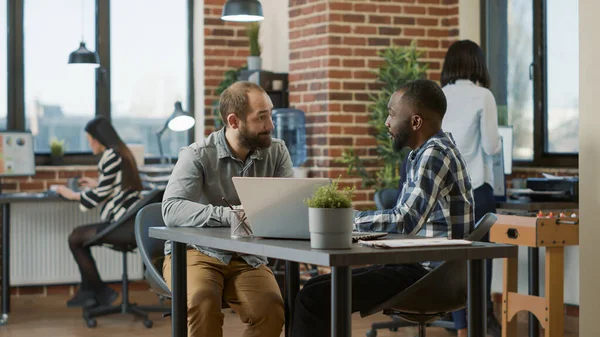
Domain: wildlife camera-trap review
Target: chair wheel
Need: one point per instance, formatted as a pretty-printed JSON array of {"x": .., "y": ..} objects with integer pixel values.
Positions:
[
  {"x": 394, "y": 329},
  {"x": 147, "y": 323},
  {"x": 91, "y": 323},
  {"x": 372, "y": 333}
]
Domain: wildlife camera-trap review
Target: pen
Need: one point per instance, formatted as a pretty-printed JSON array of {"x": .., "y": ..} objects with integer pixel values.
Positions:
[{"x": 227, "y": 202}]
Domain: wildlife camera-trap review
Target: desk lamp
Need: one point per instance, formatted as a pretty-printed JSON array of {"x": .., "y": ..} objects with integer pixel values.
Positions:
[{"x": 178, "y": 121}]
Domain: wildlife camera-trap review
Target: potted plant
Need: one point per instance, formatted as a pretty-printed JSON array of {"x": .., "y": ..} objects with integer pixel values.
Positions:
[
  {"x": 254, "y": 60},
  {"x": 331, "y": 217},
  {"x": 57, "y": 151}
]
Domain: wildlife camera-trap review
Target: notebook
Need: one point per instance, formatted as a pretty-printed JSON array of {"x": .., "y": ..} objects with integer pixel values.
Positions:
[{"x": 410, "y": 243}]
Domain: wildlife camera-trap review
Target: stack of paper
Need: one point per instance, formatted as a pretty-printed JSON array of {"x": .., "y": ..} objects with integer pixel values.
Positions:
[{"x": 408, "y": 243}]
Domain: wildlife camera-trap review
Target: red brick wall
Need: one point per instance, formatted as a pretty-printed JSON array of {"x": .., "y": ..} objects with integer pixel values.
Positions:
[
  {"x": 47, "y": 176},
  {"x": 225, "y": 47},
  {"x": 333, "y": 51}
]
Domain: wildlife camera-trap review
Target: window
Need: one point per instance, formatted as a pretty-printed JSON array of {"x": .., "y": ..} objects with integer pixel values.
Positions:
[
  {"x": 562, "y": 25},
  {"x": 59, "y": 98},
  {"x": 145, "y": 68},
  {"x": 3, "y": 65},
  {"x": 148, "y": 70},
  {"x": 520, "y": 86},
  {"x": 532, "y": 50}
]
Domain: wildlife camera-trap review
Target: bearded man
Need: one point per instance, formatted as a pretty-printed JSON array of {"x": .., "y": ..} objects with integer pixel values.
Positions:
[
  {"x": 436, "y": 201},
  {"x": 193, "y": 198}
]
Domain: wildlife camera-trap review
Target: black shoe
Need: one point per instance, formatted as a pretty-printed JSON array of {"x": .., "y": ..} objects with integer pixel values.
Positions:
[
  {"x": 106, "y": 296},
  {"x": 494, "y": 328},
  {"x": 83, "y": 299}
]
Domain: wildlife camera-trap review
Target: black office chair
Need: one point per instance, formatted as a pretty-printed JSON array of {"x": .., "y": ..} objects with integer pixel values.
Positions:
[
  {"x": 425, "y": 301},
  {"x": 151, "y": 250},
  {"x": 127, "y": 221},
  {"x": 386, "y": 198}
]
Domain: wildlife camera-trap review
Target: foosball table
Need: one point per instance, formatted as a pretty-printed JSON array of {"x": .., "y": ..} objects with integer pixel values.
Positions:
[{"x": 552, "y": 230}]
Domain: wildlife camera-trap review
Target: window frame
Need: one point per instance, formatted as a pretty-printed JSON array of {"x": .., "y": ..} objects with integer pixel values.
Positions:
[
  {"x": 538, "y": 70},
  {"x": 16, "y": 75}
]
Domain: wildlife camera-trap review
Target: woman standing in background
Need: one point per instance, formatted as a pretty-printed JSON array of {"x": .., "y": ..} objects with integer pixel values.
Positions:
[{"x": 472, "y": 119}]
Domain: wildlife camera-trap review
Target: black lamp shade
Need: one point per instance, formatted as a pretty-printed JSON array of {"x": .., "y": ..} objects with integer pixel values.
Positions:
[
  {"x": 242, "y": 11},
  {"x": 84, "y": 56}
]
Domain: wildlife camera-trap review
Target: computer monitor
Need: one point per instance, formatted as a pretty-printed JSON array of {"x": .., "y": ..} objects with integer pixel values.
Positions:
[
  {"x": 17, "y": 156},
  {"x": 506, "y": 132},
  {"x": 499, "y": 165}
]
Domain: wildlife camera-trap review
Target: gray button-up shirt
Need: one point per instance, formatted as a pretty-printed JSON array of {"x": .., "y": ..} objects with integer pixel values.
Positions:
[{"x": 202, "y": 176}]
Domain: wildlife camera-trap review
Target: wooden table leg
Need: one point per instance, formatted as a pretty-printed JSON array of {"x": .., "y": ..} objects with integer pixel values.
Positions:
[
  {"x": 511, "y": 270},
  {"x": 555, "y": 317}
]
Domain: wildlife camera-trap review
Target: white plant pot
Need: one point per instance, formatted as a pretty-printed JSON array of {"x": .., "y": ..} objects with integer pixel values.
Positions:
[
  {"x": 330, "y": 228},
  {"x": 254, "y": 62}
]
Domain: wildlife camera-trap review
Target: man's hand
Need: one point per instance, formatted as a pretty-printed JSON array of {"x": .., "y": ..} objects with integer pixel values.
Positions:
[{"x": 88, "y": 182}]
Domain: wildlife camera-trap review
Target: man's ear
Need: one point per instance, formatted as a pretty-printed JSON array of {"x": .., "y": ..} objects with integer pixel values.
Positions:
[
  {"x": 233, "y": 121},
  {"x": 417, "y": 122}
]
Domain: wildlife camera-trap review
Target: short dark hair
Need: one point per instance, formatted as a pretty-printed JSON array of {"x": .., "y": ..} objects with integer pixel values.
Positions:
[
  {"x": 465, "y": 61},
  {"x": 425, "y": 96},
  {"x": 235, "y": 99}
]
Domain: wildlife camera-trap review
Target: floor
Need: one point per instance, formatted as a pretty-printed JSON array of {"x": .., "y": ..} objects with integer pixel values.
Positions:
[{"x": 48, "y": 316}]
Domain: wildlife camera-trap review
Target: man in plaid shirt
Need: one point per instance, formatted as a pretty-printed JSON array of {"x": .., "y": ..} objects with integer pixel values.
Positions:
[{"x": 436, "y": 201}]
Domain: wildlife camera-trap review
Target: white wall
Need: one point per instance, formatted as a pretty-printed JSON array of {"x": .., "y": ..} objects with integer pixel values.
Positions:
[
  {"x": 589, "y": 161},
  {"x": 274, "y": 36},
  {"x": 469, "y": 20}
]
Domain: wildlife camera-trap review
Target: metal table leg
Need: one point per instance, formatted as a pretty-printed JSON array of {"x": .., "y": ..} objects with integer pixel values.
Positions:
[
  {"x": 179, "y": 289},
  {"x": 5, "y": 264},
  {"x": 476, "y": 299},
  {"x": 292, "y": 286},
  {"x": 341, "y": 301}
]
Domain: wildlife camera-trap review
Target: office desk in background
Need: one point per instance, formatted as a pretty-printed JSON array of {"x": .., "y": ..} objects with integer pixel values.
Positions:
[
  {"x": 340, "y": 262},
  {"x": 6, "y": 200},
  {"x": 35, "y": 244}
]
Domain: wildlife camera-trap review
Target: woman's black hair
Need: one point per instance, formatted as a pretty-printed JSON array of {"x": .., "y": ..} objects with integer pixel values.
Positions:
[
  {"x": 102, "y": 130},
  {"x": 465, "y": 61}
]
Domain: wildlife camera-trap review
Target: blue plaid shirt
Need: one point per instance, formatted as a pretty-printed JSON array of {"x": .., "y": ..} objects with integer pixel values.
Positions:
[{"x": 436, "y": 199}]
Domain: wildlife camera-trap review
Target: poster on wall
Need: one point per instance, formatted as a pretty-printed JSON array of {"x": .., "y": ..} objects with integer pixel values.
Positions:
[{"x": 17, "y": 156}]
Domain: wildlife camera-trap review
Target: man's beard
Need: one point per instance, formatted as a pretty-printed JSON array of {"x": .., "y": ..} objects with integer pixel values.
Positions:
[
  {"x": 261, "y": 140},
  {"x": 401, "y": 138}
]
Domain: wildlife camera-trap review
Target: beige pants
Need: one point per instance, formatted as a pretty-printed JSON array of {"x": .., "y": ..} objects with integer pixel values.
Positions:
[{"x": 252, "y": 292}]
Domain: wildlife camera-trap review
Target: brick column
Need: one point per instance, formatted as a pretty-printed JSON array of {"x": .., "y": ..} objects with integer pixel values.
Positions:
[
  {"x": 333, "y": 52},
  {"x": 225, "y": 48}
]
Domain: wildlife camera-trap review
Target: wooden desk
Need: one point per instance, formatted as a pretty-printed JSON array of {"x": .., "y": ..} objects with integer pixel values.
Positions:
[{"x": 340, "y": 262}]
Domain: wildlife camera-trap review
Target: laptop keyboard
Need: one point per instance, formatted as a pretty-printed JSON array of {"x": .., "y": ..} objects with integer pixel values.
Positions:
[{"x": 367, "y": 236}]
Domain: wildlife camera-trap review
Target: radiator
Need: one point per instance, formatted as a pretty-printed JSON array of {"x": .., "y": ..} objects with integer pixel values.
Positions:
[{"x": 40, "y": 250}]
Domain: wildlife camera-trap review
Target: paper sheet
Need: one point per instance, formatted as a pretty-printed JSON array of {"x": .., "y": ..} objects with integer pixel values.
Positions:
[{"x": 409, "y": 243}]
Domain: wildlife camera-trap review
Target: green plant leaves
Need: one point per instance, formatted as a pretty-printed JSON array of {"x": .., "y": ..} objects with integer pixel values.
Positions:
[{"x": 401, "y": 65}]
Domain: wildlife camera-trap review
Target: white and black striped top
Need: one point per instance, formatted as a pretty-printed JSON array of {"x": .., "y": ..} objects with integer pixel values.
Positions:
[{"x": 109, "y": 189}]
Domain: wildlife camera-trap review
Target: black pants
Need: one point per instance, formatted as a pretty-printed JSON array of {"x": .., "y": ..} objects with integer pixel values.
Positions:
[
  {"x": 485, "y": 202},
  {"x": 90, "y": 277},
  {"x": 370, "y": 286}
]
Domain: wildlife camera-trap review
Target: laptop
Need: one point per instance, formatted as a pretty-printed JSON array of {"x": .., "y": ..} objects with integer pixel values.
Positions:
[{"x": 275, "y": 207}]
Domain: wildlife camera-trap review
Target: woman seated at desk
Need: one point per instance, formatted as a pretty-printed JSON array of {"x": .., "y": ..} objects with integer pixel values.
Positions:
[{"x": 118, "y": 186}]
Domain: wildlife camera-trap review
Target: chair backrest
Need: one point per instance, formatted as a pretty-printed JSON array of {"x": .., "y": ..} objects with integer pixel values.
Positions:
[
  {"x": 386, "y": 198},
  {"x": 430, "y": 297},
  {"x": 128, "y": 218},
  {"x": 151, "y": 250}
]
